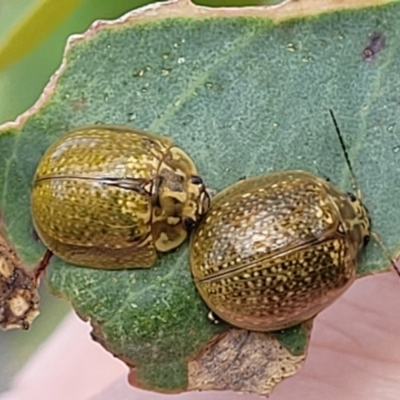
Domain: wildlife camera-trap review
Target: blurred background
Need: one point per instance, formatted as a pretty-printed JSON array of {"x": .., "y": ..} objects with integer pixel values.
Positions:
[{"x": 33, "y": 34}]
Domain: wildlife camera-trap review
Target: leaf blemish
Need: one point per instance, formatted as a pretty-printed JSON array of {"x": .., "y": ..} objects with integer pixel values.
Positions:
[{"x": 376, "y": 43}]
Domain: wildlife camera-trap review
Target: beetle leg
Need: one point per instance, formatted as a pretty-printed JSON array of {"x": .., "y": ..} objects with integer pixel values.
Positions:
[
  {"x": 213, "y": 318},
  {"x": 188, "y": 224},
  {"x": 35, "y": 235},
  {"x": 44, "y": 262},
  {"x": 326, "y": 178},
  {"x": 211, "y": 192}
]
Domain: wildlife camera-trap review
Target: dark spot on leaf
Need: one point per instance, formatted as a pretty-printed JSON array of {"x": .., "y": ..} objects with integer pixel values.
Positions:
[{"x": 376, "y": 43}]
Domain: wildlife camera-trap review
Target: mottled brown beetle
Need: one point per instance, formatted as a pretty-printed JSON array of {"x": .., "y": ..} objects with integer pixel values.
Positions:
[
  {"x": 112, "y": 197},
  {"x": 275, "y": 250}
]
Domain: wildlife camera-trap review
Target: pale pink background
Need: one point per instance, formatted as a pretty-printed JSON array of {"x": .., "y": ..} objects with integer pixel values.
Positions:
[{"x": 354, "y": 354}]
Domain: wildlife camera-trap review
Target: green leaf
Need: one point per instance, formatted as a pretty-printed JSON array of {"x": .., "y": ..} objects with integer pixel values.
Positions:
[
  {"x": 23, "y": 81},
  {"x": 244, "y": 92}
]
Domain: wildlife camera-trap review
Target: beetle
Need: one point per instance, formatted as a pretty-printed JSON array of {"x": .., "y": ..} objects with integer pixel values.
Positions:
[
  {"x": 113, "y": 197},
  {"x": 275, "y": 250}
]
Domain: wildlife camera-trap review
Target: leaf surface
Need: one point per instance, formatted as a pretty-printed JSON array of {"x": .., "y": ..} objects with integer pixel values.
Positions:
[{"x": 244, "y": 92}]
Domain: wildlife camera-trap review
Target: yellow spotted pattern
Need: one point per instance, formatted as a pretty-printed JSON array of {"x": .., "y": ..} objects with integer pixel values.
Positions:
[
  {"x": 275, "y": 250},
  {"x": 93, "y": 194}
]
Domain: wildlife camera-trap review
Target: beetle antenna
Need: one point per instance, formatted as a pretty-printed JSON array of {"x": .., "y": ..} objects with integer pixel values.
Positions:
[
  {"x": 378, "y": 240},
  {"x": 346, "y": 155},
  {"x": 355, "y": 184}
]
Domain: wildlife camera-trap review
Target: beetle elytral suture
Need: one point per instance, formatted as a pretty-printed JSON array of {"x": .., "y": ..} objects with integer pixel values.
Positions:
[
  {"x": 112, "y": 197},
  {"x": 275, "y": 250}
]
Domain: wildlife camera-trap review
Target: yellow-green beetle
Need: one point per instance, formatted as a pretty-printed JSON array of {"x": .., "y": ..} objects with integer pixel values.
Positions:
[
  {"x": 275, "y": 250},
  {"x": 112, "y": 197}
]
